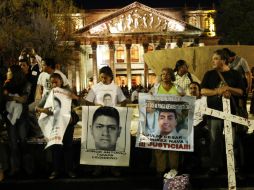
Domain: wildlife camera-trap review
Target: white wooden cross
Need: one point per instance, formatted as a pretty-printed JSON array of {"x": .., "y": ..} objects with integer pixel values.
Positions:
[{"x": 228, "y": 118}]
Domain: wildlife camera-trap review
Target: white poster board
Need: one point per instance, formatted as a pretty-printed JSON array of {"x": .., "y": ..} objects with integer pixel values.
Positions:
[
  {"x": 108, "y": 148},
  {"x": 166, "y": 122},
  {"x": 54, "y": 126}
]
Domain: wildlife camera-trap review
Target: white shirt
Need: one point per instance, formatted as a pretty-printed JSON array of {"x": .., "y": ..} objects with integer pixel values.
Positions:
[
  {"x": 98, "y": 91},
  {"x": 43, "y": 80},
  {"x": 198, "y": 115},
  {"x": 184, "y": 81},
  {"x": 134, "y": 95}
]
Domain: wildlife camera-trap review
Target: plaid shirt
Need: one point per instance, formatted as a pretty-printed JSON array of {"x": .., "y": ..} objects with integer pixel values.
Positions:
[{"x": 184, "y": 81}]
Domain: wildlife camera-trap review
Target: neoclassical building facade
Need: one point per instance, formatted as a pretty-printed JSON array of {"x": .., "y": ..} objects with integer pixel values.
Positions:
[{"x": 120, "y": 37}]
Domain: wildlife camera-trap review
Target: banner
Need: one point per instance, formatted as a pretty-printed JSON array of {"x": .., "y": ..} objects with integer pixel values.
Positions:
[
  {"x": 105, "y": 138},
  {"x": 198, "y": 58},
  {"x": 166, "y": 122},
  {"x": 54, "y": 126}
]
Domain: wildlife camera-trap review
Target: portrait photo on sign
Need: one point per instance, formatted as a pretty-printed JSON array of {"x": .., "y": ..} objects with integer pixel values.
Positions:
[
  {"x": 105, "y": 138},
  {"x": 165, "y": 122},
  {"x": 53, "y": 126},
  {"x": 165, "y": 118},
  {"x": 107, "y": 100},
  {"x": 105, "y": 129}
]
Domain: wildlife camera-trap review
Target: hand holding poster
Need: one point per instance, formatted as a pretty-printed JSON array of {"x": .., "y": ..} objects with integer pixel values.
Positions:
[
  {"x": 105, "y": 136},
  {"x": 166, "y": 122},
  {"x": 54, "y": 126}
]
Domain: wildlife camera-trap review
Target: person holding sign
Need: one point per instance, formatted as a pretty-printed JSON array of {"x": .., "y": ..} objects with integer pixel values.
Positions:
[
  {"x": 105, "y": 128},
  {"x": 163, "y": 158},
  {"x": 96, "y": 96},
  {"x": 106, "y": 87},
  {"x": 57, "y": 149}
]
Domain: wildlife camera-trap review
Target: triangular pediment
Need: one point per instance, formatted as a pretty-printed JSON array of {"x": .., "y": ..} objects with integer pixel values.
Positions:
[{"x": 138, "y": 18}]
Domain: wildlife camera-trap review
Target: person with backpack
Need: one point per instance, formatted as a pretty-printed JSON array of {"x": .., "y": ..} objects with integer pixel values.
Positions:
[{"x": 241, "y": 65}]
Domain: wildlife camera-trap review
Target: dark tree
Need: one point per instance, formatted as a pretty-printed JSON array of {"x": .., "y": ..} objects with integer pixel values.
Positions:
[
  {"x": 34, "y": 23},
  {"x": 235, "y": 22}
]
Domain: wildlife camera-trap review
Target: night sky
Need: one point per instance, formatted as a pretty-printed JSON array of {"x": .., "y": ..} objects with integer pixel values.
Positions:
[{"x": 104, "y": 4}]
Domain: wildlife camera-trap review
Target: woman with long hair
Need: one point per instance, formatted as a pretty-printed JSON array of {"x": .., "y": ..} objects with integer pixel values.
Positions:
[{"x": 16, "y": 91}]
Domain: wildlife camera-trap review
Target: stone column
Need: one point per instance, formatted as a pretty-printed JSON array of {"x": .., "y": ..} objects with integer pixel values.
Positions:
[
  {"x": 83, "y": 68},
  {"x": 146, "y": 71},
  {"x": 128, "y": 58},
  {"x": 111, "y": 46},
  {"x": 95, "y": 72},
  {"x": 77, "y": 77}
]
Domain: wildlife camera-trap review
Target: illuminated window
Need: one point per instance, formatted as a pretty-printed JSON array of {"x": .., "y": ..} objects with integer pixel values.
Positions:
[
  {"x": 206, "y": 23},
  {"x": 120, "y": 54},
  {"x": 135, "y": 80},
  {"x": 150, "y": 48},
  {"x": 151, "y": 79},
  {"x": 102, "y": 55},
  {"x": 134, "y": 53},
  {"x": 209, "y": 25}
]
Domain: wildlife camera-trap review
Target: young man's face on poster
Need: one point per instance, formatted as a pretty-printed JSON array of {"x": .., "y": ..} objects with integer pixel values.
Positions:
[
  {"x": 105, "y": 131},
  {"x": 167, "y": 122},
  {"x": 57, "y": 110},
  {"x": 107, "y": 100}
]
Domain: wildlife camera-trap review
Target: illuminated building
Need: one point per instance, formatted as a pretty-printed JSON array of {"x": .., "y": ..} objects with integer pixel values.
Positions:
[{"x": 120, "y": 37}]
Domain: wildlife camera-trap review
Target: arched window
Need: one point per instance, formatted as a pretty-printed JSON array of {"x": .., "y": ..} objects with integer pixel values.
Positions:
[
  {"x": 120, "y": 54},
  {"x": 134, "y": 53}
]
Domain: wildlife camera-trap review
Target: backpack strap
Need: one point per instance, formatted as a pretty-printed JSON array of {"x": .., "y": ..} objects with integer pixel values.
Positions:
[{"x": 189, "y": 76}]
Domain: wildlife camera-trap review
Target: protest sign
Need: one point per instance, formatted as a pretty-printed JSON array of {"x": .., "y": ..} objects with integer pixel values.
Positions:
[
  {"x": 54, "y": 126},
  {"x": 105, "y": 138},
  {"x": 166, "y": 122}
]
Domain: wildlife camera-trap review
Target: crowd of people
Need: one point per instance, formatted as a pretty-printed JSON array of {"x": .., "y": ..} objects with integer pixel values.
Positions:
[{"x": 26, "y": 85}]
